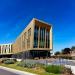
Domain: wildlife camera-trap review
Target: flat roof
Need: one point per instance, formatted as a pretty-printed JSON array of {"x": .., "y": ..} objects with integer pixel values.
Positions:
[{"x": 42, "y": 21}]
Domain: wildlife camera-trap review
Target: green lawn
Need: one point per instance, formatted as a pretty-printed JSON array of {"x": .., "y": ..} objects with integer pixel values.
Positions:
[{"x": 39, "y": 71}]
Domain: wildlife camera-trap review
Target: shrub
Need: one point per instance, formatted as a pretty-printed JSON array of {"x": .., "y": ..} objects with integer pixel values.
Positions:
[
  {"x": 14, "y": 59},
  {"x": 66, "y": 57},
  {"x": 53, "y": 69},
  {"x": 3, "y": 59},
  {"x": 27, "y": 64},
  {"x": 69, "y": 71},
  {"x": 9, "y": 61}
]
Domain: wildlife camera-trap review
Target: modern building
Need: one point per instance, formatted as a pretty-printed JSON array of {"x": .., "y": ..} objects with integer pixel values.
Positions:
[
  {"x": 34, "y": 41},
  {"x": 5, "y": 50}
]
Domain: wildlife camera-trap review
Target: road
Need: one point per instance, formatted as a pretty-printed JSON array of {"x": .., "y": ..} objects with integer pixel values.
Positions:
[{"x": 4, "y": 72}]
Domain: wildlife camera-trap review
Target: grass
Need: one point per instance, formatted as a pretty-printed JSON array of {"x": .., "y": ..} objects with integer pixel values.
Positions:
[
  {"x": 39, "y": 71},
  {"x": 54, "y": 69}
]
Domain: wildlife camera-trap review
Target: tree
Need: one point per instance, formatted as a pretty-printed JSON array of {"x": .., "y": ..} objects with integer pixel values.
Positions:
[
  {"x": 57, "y": 53},
  {"x": 73, "y": 48},
  {"x": 66, "y": 51}
]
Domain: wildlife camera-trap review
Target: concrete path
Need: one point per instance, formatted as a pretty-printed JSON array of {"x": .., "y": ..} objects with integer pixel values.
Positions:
[
  {"x": 71, "y": 67},
  {"x": 9, "y": 71}
]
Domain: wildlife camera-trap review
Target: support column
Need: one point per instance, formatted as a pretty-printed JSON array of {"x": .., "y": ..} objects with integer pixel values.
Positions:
[
  {"x": 1, "y": 49},
  {"x": 51, "y": 43},
  {"x": 45, "y": 39},
  {"x": 21, "y": 43},
  {"x": 38, "y": 37}
]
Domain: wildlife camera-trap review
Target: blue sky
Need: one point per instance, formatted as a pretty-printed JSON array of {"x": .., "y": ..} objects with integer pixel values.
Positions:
[{"x": 16, "y": 14}]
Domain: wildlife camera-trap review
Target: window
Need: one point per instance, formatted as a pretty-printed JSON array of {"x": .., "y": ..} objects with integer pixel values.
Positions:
[
  {"x": 42, "y": 38},
  {"x": 28, "y": 43},
  {"x": 47, "y": 39},
  {"x": 23, "y": 45},
  {"x": 24, "y": 35},
  {"x": 28, "y": 39},
  {"x": 0, "y": 49},
  {"x": 9, "y": 50},
  {"x": 24, "y": 39},
  {"x": 29, "y": 32},
  {"x": 36, "y": 37},
  {"x": 5, "y": 50}
]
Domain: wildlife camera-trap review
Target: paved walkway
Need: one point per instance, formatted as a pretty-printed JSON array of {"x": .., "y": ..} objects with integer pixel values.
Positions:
[
  {"x": 72, "y": 68},
  {"x": 9, "y": 71},
  {"x": 4, "y": 72}
]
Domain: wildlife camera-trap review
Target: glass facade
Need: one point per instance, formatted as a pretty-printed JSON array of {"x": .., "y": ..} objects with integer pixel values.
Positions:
[
  {"x": 47, "y": 39},
  {"x": 44, "y": 37},
  {"x": 36, "y": 36}
]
